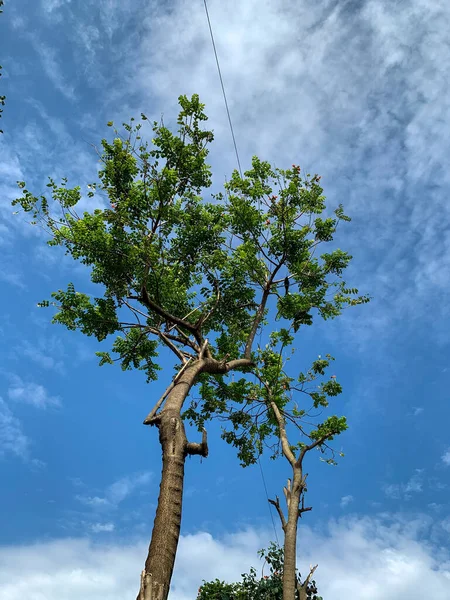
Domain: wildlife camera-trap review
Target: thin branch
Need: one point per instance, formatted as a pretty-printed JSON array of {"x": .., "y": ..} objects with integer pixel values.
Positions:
[
  {"x": 313, "y": 445},
  {"x": 276, "y": 503},
  {"x": 145, "y": 298},
  {"x": 150, "y": 418},
  {"x": 260, "y": 313}
]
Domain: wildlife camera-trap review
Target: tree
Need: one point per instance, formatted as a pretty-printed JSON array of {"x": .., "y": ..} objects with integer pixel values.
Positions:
[
  {"x": 267, "y": 587},
  {"x": 195, "y": 277},
  {"x": 262, "y": 413}
]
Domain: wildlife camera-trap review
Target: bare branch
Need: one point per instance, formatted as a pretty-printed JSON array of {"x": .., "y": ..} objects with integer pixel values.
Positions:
[
  {"x": 303, "y": 587},
  {"x": 276, "y": 503},
  {"x": 287, "y": 493},
  {"x": 313, "y": 445},
  {"x": 260, "y": 313}
]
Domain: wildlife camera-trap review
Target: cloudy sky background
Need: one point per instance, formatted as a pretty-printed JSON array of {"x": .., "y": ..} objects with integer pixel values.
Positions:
[{"x": 354, "y": 91}]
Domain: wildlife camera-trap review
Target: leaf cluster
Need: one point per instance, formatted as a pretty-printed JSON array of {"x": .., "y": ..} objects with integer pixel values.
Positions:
[
  {"x": 252, "y": 587},
  {"x": 180, "y": 272}
]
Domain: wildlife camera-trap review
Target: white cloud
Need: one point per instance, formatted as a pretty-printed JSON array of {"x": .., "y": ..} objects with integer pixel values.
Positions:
[
  {"x": 396, "y": 491},
  {"x": 93, "y": 501},
  {"x": 446, "y": 457},
  {"x": 101, "y": 527},
  {"x": 415, "y": 483},
  {"x": 371, "y": 558},
  {"x": 392, "y": 490},
  {"x": 46, "y": 353},
  {"x": 52, "y": 66},
  {"x": 31, "y": 393},
  {"x": 417, "y": 410},
  {"x": 346, "y": 500},
  {"x": 117, "y": 491},
  {"x": 12, "y": 438},
  {"x": 49, "y": 6}
]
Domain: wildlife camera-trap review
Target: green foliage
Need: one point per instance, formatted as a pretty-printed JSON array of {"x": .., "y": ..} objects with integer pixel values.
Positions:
[
  {"x": 176, "y": 270},
  {"x": 267, "y": 587},
  {"x": 246, "y": 406}
]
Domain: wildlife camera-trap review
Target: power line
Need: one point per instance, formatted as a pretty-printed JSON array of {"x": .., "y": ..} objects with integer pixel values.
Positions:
[
  {"x": 267, "y": 496},
  {"x": 223, "y": 89},
  {"x": 240, "y": 171}
]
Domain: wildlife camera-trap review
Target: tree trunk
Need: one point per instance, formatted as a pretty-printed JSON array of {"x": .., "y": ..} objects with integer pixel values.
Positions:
[
  {"x": 290, "y": 539},
  {"x": 155, "y": 580}
]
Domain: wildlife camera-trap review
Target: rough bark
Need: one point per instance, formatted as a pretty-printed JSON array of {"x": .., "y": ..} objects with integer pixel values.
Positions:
[
  {"x": 290, "y": 537},
  {"x": 166, "y": 529},
  {"x": 156, "y": 577}
]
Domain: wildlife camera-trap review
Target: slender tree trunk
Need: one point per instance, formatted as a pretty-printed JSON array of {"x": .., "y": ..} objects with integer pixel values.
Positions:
[
  {"x": 155, "y": 579},
  {"x": 290, "y": 539}
]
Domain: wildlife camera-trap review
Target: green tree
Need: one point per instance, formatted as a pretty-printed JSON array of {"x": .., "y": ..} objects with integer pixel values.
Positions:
[
  {"x": 260, "y": 417},
  {"x": 192, "y": 276},
  {"x": 266, "y": 587}
]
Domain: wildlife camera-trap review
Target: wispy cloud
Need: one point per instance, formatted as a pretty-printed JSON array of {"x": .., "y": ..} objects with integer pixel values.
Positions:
[
  {"x": 116, "y": 492},
  {"x": 346, "y": 500},
  {"x": 12, "y": 438},
  {"x": 414, "y": 485},
  {"x": 446, "y": 458},
  {"x": 102, "y": 527},
  {"x": 31, "y": 393},
  {"x": 417, "y": 410},
  {"x": 52, "y": 66},
  {"x": 46, "y": 353}
]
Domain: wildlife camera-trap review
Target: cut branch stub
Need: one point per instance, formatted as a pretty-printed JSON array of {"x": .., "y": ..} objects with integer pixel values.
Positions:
[{"x": 195, "y": 448}]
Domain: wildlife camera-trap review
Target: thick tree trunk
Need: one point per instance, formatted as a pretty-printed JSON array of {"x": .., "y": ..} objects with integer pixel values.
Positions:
[
  {"x": 290, "y": 539},
  {"x": 155, "y": 579},
  {"x": 166, "y": 528}
]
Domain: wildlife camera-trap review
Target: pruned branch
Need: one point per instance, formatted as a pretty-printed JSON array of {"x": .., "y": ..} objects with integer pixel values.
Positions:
[
  {"x": 195, "y": 448},
  {"x": 145, "y": 590},
  {"x": 287, "y": 493},
  {"x": 276, "y": 503},
  {"x": 303, "y": 507},
  {"x": 303, "y": 587}
]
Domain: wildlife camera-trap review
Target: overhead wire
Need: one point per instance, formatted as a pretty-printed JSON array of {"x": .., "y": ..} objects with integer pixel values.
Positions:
[
  {"x": 240, "y": 172},
  {"x": 223, "y": 88}
]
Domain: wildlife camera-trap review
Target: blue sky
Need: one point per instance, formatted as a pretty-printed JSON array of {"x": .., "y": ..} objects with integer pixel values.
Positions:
[{"x": 355, "y": 91}]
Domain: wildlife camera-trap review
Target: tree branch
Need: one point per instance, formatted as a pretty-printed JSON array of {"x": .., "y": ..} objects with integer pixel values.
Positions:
[
  {"x": 195, "y": 448},
  {"x": 312, "y": 446},
  {"x": 150, "y": 419},
  {"x": 283, "y": 435},
  {"x": 260, "y": 313},
  {"x": 302, "y": 587},
  {"x": 276, "y": 503},
  {"x": 145, "y": 298}
]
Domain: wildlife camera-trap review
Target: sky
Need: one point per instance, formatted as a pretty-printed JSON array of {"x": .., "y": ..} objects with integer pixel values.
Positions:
[{"x": 356, "y": 91}]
